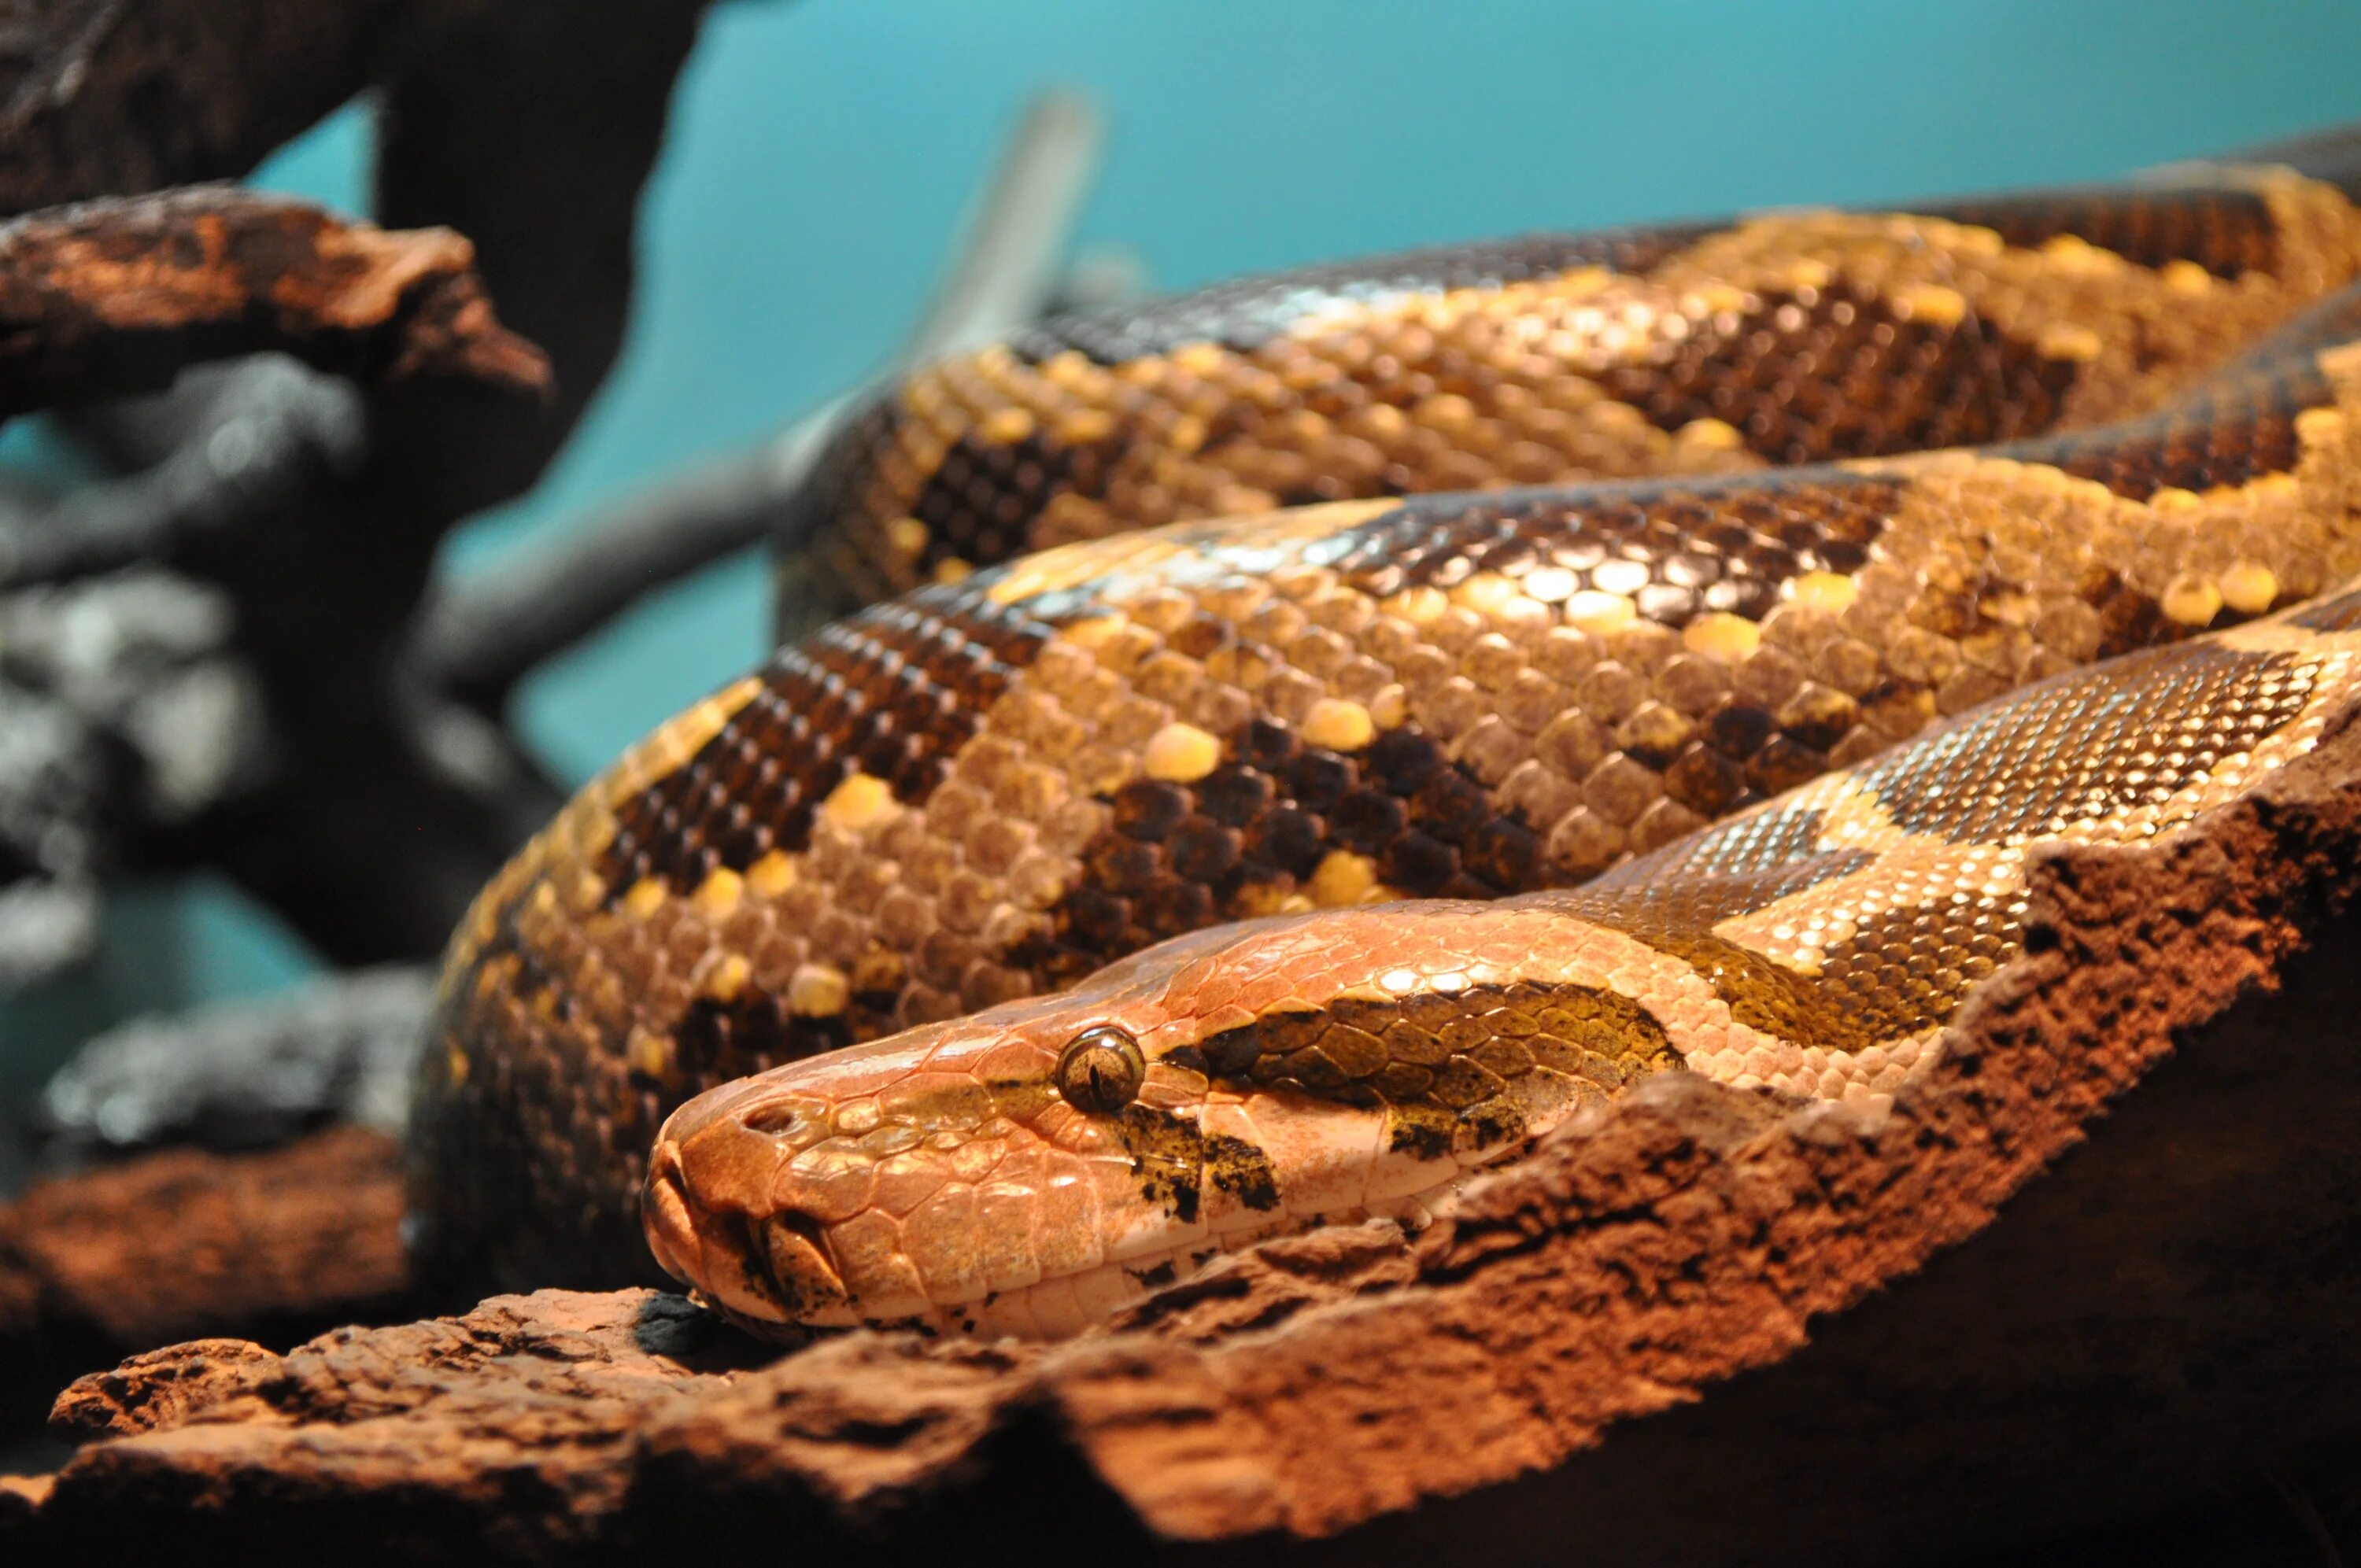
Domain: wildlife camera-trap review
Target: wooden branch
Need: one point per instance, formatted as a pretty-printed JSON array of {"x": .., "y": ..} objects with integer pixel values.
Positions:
[
  {"x": 1013, "y": 249},
  {"x": 117, "y": 296},
  {"x": 273, "y": 432},
  {"x": 477, "y": 638}
]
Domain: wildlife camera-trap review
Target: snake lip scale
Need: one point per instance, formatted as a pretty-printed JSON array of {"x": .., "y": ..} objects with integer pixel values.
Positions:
[{"x": 1111, "y": 899}]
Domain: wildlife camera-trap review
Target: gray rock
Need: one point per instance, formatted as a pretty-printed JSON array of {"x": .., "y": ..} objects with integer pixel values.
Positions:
[{"x": 238, "y": 1074}]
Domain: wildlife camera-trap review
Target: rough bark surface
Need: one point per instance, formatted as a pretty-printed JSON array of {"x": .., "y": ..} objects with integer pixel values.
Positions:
[
  {"x": 115, "y": 297},
  {"x": 100, "y": 96},
  {"x": 1688, "y": 1328},
  {"x": 274, "y": 1245}
]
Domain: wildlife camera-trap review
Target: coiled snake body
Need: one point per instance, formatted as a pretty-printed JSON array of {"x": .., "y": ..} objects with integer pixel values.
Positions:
[{"x": 958, "y": 824}]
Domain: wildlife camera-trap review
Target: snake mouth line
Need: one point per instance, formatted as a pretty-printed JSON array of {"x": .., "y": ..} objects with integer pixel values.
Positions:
[
  {"x": 782, "y": 1265},
  {"x": 667, "y": 1217},
  {"x": 793, "y": 1250}
]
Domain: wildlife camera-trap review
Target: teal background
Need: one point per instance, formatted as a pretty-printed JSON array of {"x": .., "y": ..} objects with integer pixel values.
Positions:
[{"x": 823, "y": 152}]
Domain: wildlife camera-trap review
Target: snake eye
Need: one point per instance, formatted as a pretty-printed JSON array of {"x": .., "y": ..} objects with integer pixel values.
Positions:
[{"x": 1101, "y": 1071}]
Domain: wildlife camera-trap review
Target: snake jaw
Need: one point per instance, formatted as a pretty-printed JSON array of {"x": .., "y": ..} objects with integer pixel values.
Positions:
[
  {"x": 775, "y": 1275},
  {"x": 804, "y": 1269}
]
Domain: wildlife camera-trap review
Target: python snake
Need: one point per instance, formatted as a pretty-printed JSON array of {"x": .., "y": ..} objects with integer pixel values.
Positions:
[{"x": 1903, "y": 543}]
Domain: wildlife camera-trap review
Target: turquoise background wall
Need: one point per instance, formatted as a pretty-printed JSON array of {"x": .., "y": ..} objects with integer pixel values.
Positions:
[{"x": 823, "y": 151}]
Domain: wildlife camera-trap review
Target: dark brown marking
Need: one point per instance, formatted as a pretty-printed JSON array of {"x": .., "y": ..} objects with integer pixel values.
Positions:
[
  {"x": 1176, "y": 1160},
  {"x": 2327, "y": 324},
  {"x": 2227, "y": 232},
  {"x": 1183, "y": 856},
  {"x": 1244, "y": 314},
  {"x": 716, "y": 1041},
  {"x": 1680, "y": 548},
  {"x": 2067, "y": 750},
  {"x": 2072, "y": 749},
  {"x": 1827, "y": 373},
  {"x": 1760, "y": 994},
  {"x": 893, "y": 692},
  {"x": 1904, "y": 970},
  {"x": 2232, "y": 428},
  {"x": 2342, "y": 613},
  {"x": 1440, "y": 1052},
  {"x": 2231, "y": 431},
  {"x": 979, "y": 503}
]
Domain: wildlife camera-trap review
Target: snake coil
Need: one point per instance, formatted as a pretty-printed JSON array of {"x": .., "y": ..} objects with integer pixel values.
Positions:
[{"x": 1205, "y": 830}]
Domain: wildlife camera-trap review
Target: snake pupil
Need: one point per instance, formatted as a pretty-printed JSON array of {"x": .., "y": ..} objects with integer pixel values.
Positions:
[{"x": 1101, "y": 1071}]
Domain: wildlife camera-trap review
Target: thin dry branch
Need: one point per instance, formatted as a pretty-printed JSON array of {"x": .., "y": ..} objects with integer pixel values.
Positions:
[
  {"x": 268, "y": 432},
  {"x": 1008, "y": 260},
  {"x": 477, "y": 638}
]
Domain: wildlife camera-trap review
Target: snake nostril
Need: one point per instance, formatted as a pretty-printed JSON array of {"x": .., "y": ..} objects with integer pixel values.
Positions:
[{"x": 780, "y": 1121}]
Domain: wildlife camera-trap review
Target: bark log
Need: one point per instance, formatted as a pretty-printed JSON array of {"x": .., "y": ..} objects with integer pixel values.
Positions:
[
  {"x": 273, "y": 1246},
  {"x": 2102, "y": 1257}
]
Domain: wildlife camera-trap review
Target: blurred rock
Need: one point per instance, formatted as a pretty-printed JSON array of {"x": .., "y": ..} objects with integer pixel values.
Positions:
[
  {"x": 45, "y": 927},
  {"x": 141, "y": 658},
  {"x": 248, "y": 1073},
  {"x": 121, "y": 713}
]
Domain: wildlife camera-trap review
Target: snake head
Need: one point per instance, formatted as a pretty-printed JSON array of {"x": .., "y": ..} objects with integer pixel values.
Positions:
[{"x": 1035, "y": 1166}]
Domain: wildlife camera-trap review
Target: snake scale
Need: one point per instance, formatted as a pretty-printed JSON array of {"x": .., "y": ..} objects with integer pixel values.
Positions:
[{"x": 1552, "y": 662}]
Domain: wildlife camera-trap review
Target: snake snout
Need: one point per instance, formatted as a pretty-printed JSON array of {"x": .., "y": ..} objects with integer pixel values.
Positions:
[
  {"x": 723, "y": 1215},
  {"x": 764, "y": 1272}
]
